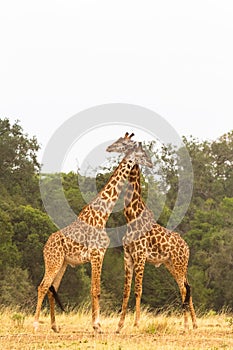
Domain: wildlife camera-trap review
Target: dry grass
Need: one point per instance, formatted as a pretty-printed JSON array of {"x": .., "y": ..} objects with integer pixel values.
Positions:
[{"x": 161, "y": 332}]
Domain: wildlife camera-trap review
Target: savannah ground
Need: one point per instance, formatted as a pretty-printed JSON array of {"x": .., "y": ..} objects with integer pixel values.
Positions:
[{"x": 163, "y": 332}]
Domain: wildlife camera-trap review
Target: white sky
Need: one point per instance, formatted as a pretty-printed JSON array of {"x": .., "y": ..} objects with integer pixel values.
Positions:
[{"x": 60, "y": 57}]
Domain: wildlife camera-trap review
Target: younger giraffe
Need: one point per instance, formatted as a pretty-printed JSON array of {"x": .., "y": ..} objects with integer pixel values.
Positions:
[
  {"x": 147, "y": 241},
  {"x": 85, "y": 240}
]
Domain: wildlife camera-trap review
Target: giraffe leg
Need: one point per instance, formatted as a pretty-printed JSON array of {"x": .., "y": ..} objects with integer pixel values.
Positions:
[
  {"x": 184, "y": 291},
  {"x": 127, "y": 287},
  {"x": 56, "y": 284},
  {"x": 52, "y": 311},
  {"x": 42, "y": 291},
  {"x": 184, "y": 287},
  {"x": 96, "y": 266},
  {"x": 192, "y": 312},
  {"x": 139, "y": 270},
  {"x": 51, "y": 270}
]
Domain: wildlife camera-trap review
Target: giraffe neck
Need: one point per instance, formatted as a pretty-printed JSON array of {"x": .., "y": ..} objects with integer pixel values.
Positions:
[
  {"x": 96, "y": 213},
  {"x": 134, "y": 205}
]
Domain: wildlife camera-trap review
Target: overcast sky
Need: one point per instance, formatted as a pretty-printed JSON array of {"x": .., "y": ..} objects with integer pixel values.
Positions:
[{"x": 174, "y": 57}]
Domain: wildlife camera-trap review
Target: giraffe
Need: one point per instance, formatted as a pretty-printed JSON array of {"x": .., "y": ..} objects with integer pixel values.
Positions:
[
  {"x": 146, "y": 241},
  {"x": 85, "y": 240}
]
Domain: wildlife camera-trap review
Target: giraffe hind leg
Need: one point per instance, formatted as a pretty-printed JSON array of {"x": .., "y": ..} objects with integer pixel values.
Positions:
[
  {"x": 184, "y": 287},
  {"x": 184, "y": 291},
  {"x": 187, "y": 295},
  {"x": 53, "y": 296},
  {"x": 188, "y": 304},
  {"x": 192, "y": 312},
  {"x": 47, "y": 281},
  {"x": 56, "y": 297},
  {"x": 42, "y": 291}
]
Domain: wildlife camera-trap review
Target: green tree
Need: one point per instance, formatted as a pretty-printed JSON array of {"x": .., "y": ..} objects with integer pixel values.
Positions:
[
  {"x": 18, "y": 163},
  {"x": 75, "y": 287},
  {"x": 9, "y": 254},
  {"x": 71, "y": 184},
  {"x": 31, "y": 230},
  {"x": 16, "y": 288},
  {"x": 112, "y": 279},
  {"x": 212, "y": 258}
]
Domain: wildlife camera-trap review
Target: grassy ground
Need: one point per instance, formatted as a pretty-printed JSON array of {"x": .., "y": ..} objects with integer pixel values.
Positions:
[{"x": 155, "y": 332}]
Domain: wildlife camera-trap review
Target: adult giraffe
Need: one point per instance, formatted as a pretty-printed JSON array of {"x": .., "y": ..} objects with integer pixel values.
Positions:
[
  {"x": 146, "y": 241},
  {"x": 85, "y": 240}
]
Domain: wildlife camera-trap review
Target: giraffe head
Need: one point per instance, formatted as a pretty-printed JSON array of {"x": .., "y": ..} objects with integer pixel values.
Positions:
[
  {"x": 129, "y": 147},
  {"x": 123, "y": 144},
  {"x": 139, "y": 156}
]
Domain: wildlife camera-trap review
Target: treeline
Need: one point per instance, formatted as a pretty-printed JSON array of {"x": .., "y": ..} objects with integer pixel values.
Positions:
[{"x": 207, "y": 225}]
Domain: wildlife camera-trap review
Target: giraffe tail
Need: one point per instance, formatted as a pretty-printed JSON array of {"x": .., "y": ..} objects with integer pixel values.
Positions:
[
  {"x": 56, "y": 297},
  {"x": 187, "y": 296}
]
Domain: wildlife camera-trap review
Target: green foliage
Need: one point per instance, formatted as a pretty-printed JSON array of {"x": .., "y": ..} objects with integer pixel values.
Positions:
[
  {"x": 159, "y": 288},
  {"x": 18, "y": 163},
  {"x": 75, "y": 287},
  {"x": 9, "y": 255},
  {"x": 112, "y": 279},
  {"x": 16, "y": 288},
  {"x": 212, "y": 258},
  {"x": 31, "y": 230}
]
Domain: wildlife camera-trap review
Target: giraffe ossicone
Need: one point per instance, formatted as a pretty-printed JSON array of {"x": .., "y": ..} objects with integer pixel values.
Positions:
[{"x": 85, "y": 240}]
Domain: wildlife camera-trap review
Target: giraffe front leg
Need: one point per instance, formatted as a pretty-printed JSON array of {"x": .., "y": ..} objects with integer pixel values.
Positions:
[
  {"x": 127, "y": 288},
  {"x": 139, "y": 270},
  {"x": 96, "y": 264}
]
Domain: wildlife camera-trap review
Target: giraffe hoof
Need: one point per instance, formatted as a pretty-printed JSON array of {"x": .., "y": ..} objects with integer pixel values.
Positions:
[
  {"x": 36, "y": 326},
  {"x": 97, "y": 328},
  {"x": 55, "y": 329},
  {"x": 119, "y": 328}
]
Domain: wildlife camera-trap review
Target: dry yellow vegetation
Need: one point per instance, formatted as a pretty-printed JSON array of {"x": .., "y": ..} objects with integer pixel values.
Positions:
[{"x": 163, "y": 332}]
